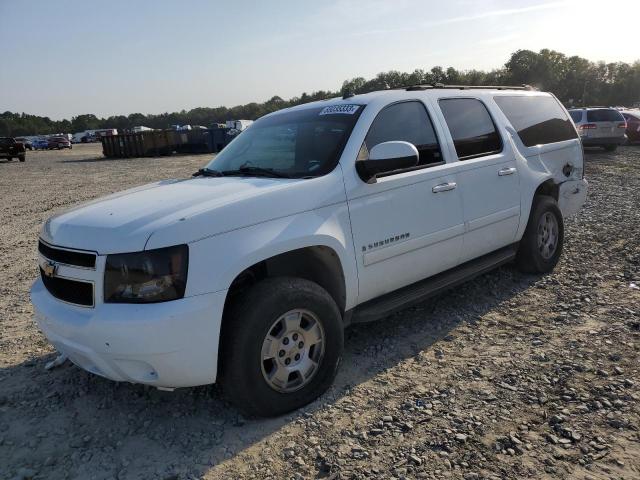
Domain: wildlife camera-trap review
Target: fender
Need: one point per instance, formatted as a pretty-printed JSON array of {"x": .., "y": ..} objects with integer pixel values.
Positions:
[
  {"x": 541, "y": 164},
  {"x": 227, "y": 255}
]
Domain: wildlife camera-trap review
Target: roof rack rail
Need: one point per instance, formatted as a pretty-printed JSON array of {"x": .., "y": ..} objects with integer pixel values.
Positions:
[{"x": 412, "y": 88}]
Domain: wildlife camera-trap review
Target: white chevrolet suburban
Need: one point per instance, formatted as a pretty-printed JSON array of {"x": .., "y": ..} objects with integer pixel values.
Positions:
[{"x": 316, "y": 217}]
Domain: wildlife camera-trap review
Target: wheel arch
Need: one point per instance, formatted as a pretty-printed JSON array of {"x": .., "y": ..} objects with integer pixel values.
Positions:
[
  {"x": 544, "y": 185},
  {"x": 549, "y": 188},
  {"x": 317, "y": 263}
]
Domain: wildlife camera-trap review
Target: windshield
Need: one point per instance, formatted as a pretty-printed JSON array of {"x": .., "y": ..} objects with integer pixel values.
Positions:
[{"x": 294, "y": 144}]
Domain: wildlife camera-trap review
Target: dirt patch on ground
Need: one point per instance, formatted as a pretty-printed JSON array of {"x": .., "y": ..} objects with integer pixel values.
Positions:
[{"x": 507, "y": 376}]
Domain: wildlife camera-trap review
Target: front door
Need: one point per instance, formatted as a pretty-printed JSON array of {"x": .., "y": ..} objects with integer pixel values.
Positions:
[{"x": 407, "y": 225}]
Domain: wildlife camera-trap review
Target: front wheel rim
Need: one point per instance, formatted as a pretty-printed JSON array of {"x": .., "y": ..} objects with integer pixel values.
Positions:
[
  {"x": 548, "y": 234},
  {"x": 292, "y": 350}
]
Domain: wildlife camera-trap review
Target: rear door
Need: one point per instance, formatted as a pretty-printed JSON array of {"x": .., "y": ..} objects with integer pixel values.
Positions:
[{"x": 488, "y": 177}]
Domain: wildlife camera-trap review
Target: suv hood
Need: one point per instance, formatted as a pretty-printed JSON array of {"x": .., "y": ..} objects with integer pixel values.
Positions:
[{"x": 186, "y": 210}]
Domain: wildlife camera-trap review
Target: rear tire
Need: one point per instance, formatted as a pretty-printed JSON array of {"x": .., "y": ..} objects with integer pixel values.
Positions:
[
  {"x": 280, "y": 320},
  {"x": 610, "y": 148},
  {"x": 541, "y": 245}
]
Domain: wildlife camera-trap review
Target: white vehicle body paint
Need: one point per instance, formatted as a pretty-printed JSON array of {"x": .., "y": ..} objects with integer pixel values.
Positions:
[{"x": 385, "y": 234}]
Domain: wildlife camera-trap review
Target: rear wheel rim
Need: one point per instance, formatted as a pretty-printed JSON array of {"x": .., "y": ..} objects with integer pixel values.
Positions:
[
  {"x": 292, "y": 350},
  {"x": 547, "y": 237}
]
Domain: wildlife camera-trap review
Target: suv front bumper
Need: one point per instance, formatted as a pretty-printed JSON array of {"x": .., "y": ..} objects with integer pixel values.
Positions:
[{"x": 170, "y": 344}]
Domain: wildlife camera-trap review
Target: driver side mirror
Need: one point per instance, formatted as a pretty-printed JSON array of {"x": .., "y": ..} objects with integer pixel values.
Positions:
[{"x": 387, "y": 157}]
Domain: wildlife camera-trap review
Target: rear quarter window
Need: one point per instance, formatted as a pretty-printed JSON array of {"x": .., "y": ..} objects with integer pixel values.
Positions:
[
  {"x": 576, "y": 115},
  {"x": 604, "y": 115},
  {"x": 539, "y": 120}
]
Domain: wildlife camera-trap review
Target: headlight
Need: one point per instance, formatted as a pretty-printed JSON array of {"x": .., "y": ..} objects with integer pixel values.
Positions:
[{"x": 146, "y": 277}]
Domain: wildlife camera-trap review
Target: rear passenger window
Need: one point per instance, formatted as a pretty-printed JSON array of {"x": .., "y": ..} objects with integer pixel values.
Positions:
[
  {"x": 604, "y": 115},
  {"x": 407, "y": 122},
  {"x": 539, "y": 120},
  {"x": 472, "y": 129},
  {"x": 576, "y": 115}
]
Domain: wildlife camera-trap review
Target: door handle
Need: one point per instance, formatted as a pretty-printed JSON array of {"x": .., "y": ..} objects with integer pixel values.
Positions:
[
  {"x": 507, "y": 171},
  {"x": 444, "y": 187}
]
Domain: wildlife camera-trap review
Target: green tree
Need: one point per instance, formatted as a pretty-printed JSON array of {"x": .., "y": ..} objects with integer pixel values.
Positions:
[{"x": 574, "y": 80}]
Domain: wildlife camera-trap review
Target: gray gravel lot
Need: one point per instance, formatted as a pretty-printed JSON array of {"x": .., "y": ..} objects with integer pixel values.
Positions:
[{"x": 507, "y": 376}]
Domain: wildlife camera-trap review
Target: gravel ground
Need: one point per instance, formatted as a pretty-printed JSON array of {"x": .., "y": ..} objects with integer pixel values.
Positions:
[{"x": 507, "y": 376}]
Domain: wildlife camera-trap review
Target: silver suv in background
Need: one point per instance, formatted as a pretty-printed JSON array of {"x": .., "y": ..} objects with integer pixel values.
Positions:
[{"x": 600, "y": 127}]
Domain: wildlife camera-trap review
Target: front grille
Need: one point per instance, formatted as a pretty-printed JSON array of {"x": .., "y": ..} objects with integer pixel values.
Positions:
[
  {"x": 68, "y": 257},
  {"x": 72, "y": 291}
]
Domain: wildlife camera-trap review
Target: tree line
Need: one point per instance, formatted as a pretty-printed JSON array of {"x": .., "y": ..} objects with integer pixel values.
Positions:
[{"x": 574, "y": 80}]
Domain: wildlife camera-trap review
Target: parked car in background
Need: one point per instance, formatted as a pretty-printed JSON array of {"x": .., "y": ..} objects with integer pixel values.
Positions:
[
  {"x": 11, "y": 149},
  {"x": 26, "y": 142},
  {"x": 59, "y": 143},
  {"x": 40, "y": 144},
  {"x": 141, "y": 128},
  {"x": 600, "y": 127},
  {"x": 633, "y": 124},
  {"x": 90, "y": 136}
]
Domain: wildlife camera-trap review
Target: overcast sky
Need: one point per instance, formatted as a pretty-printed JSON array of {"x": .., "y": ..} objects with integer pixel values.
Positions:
[{"x": 68, "y": 57}]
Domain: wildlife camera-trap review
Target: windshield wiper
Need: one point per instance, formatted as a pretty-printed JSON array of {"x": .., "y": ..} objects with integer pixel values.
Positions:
[
  {"x": 257, "y": 171},
  {"x": 205, "y": 172}
]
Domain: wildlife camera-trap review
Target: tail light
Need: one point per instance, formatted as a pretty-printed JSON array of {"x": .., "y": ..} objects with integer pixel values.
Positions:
[
  {"x": 622, "y": 125},
  {"x": 588, "y": 126}
]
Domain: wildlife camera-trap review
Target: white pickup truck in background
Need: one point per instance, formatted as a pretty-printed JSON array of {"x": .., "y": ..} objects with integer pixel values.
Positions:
[{"x": 314, "y": 218}]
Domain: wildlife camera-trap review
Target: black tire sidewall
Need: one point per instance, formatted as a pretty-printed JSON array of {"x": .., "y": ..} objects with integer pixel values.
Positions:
[
  {"x": 245, "y": 329},
  {"x": 529, "y": 258}
]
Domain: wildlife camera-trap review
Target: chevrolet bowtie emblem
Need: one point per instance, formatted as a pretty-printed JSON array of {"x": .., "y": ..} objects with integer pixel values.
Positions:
[{"x": 49, "y": 268}]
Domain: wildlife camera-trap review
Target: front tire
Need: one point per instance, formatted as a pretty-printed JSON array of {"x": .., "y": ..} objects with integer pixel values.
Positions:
[
  {"x": 281, "y": 345},
  {"x": 22, "y": 158},
  {"x": 541, "y": 245}
]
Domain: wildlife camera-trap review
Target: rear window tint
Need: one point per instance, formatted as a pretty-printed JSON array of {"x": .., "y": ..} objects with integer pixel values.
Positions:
[
  {"x": 538, "y": 120},
  {"x": 604, "y": 115},
  {"x": 576, "y": 115},
  {"x": 472, "y": 129}
]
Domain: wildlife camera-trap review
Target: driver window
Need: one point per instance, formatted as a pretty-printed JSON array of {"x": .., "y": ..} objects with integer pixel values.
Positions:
[{"x": 408, "y": 122}]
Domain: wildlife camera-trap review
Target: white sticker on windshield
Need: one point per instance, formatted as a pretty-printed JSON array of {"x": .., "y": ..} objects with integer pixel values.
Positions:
[{"x": 340, "y": 109}]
